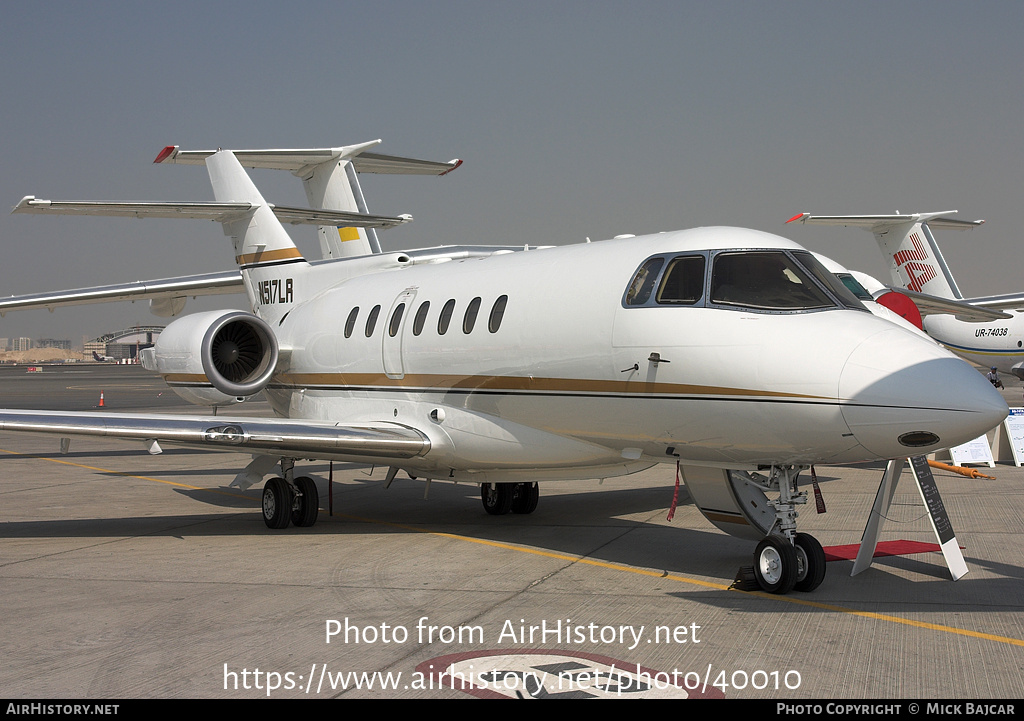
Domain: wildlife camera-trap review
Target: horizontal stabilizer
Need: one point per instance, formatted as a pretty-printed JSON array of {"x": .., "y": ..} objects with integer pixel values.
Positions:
[
  {"x": 220, "y": 212},
  {"x": 295, "y": 160},
  {"x": 305, "y": 439},
  {"x": 185, "y": 286},
  {"x": 874, "y": 223}
]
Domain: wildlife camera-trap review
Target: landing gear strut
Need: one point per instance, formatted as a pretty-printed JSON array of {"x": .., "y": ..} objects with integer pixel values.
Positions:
[{"x": 787, "y": 560}]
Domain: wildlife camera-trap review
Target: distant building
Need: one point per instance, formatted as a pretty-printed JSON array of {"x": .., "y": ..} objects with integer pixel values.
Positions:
[
  {"x": 61, "y": 343},
  {"x": 125, "y": 343},
  {"x": 22, "y": 344}
]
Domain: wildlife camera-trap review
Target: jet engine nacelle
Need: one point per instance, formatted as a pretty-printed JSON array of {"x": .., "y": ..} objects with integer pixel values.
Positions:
[{"x": 232, "y": 351}]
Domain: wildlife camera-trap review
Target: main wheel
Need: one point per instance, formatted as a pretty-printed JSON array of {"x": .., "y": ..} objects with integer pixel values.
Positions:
[
  {"x": 277, "y": 503},
  {"x": 775, "y": 565},
  {"x": 810, "y": 561},
  {"x": 497, "y": 497},
  {"x": 305, "y": 511},
  {"x": 525, "y": 498}
]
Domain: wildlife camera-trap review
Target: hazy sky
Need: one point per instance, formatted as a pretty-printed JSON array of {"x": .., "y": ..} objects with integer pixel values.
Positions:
[{"x": 574, "y": 119}]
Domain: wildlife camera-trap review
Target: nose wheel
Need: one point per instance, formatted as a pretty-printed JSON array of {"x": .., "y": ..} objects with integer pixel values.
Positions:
[
  {"x": 775, "y": 565},
  {"x": 810, "y": 563},
  {"x": 781, "y": 566}
]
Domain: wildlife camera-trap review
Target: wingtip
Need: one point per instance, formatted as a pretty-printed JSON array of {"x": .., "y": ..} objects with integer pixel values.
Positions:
[
  {"x": 166, "y": 153},
  {"x": 798, "y": 216},
  {"x": 456, "y": 162}
]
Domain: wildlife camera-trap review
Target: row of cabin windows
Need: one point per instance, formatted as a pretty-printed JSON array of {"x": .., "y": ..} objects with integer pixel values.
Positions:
[{"x": 443, "y": 320}]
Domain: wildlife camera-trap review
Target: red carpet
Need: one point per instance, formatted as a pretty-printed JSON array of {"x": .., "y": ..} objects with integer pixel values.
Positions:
[{"x": 884, "y": 548}]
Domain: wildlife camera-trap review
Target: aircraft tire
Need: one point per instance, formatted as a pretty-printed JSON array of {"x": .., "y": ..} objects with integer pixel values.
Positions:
[
  {"x": 309, "y": 502},
  {"x": 277, "y": 503},
  {"x": 497, "y": 497},
  {"x": 525, "y": 498},
  {"x": 810, "y": 563},
  {"x": 775, "y": 565}
]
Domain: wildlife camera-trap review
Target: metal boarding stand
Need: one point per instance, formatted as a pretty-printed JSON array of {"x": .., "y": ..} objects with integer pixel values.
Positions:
[{"x": 943, "y": 529}]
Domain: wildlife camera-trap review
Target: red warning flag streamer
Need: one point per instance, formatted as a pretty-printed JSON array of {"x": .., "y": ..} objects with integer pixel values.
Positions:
[
  {"x": 675, "y": 496},
  {"x": 819, "y": 501}
]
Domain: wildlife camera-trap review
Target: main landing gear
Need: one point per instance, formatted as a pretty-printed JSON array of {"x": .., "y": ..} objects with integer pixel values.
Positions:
[
  {"x": 786, "y": 560},
  {"x": 297, "y": 502},
  {"x": 500, "y": 498}
]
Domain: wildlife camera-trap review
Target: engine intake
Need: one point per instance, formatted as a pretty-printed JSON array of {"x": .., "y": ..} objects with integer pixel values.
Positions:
[
  {"x": 233, "y": 351},
  {"x": 239, "y": 354}
]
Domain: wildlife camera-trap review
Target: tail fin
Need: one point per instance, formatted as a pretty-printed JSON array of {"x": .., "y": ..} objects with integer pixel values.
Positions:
[
  {"x": 266, "y": 255},
  {"x": 916, "y": 263},
  {"x": 333, "y": 185}
]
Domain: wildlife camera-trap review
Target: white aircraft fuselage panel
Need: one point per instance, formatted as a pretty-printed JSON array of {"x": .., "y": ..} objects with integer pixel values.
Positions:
[{"x": 731, "y": 387}]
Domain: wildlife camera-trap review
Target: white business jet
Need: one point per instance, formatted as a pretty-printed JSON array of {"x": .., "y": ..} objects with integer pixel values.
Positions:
[
  {"x": 729, "y": 351},
  {"x": 988, "y": 331}
]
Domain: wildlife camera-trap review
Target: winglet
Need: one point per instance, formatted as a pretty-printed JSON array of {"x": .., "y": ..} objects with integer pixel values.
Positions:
[
  {"x": 455, "y": 163},
  {"x": 167, "y": 152}
]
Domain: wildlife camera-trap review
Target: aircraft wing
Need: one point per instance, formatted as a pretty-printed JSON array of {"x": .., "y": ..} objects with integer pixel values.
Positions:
[
  {"x": 220, "y": 212},
  {"x": 223, "y": 283},
  {"x": 963, "y": 310},
  {"x": 269, "y": 436}
]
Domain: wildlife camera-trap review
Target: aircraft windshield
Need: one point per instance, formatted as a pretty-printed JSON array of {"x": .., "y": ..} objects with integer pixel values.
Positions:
[
  {"x": 838, "y": 286},
  {"x": 767, "y": 280}
]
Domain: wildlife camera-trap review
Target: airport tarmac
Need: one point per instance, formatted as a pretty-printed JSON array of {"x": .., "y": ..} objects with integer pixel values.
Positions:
[{"x": 127, "y": 575}]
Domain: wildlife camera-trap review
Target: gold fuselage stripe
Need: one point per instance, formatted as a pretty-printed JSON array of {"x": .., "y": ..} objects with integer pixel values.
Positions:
[
  {"x": 262, "y": 256},
  {"x": 500, "y": 383}
]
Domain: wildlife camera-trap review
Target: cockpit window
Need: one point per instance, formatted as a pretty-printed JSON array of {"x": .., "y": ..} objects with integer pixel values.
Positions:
[
  {"x": 643, "y": 282},
  {"x": 856, "y": 288},
  {"x": 767, "y": 280},
  {"x": 683, "y": 282},
  {"x": 836, "y": 286}
]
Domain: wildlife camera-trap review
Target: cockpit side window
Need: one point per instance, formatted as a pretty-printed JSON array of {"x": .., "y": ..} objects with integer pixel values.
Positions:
[
  {"x": 765, "y": 280},
  {"x": 642, "y": 286},
  {"x": 835, "y": 285},
  {"x": 856, "y": 288},
  {"x": 683, "y": 282}
]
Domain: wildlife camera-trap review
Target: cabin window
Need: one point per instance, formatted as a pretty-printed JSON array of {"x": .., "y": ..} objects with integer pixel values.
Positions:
[
  {"x": 396, "y": 320},
  {"x": 497, "y": 312},
  {"x": 469, "y": 320},
  {"x": 643, "y": 282},
  {"x": 350, "y": 324},
  {"x": 764, "y": 280},
  {"x": 683, "y": 282},
  {"x": 371, "y": 320},
  {"x": 421, "y": 317},
  {"x": 446, "y": 317}
]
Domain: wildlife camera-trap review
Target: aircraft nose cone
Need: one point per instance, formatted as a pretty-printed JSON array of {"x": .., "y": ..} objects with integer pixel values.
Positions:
[{"x": 903, "y": 395}]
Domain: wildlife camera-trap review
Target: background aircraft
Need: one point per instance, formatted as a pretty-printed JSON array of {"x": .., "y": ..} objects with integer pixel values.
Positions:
[
  {"x": 977, "y": 329},
  {"x": 508, "y": 368}
]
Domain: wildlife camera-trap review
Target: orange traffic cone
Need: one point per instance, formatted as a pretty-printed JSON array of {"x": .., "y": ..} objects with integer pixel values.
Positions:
[{"x": 101, "y": 400}]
